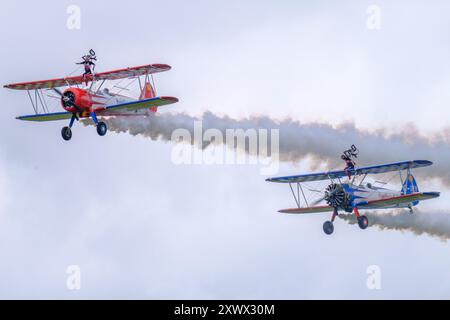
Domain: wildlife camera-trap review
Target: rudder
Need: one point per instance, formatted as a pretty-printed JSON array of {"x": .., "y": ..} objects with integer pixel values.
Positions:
[
  {"x": 147, "y": 93},
  {"x": 410, "y": 186}
]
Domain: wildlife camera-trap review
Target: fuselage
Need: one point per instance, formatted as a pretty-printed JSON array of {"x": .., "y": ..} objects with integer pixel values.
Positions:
[
  {"x": 363, "y": 194},
  {"x": 83, "y": 102}
]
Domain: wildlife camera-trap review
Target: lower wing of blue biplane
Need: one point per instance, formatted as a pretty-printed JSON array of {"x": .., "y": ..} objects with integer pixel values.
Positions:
[{"x": 402, "y": 201}]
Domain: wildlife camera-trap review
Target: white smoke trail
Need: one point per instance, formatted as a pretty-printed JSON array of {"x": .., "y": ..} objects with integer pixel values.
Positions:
[
  {"x": 435, "y": 224},
  {"x": 299, "y": 140}
]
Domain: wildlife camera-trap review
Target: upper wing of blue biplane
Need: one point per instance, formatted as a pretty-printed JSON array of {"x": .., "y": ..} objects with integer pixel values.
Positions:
[{"x": 383, "y": 168}]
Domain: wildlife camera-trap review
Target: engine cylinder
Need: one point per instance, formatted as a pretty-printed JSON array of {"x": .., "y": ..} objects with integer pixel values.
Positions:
[{"x": 335, "y": 196}]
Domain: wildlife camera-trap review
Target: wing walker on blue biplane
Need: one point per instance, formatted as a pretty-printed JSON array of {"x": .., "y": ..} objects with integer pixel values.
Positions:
[
  {"x": 355, "y": 195},
  {"x": 91, "y": 101}
]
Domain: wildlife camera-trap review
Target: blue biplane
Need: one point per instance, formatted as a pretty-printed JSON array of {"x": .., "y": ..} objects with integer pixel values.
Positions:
[{"x": 352, "y": 197}]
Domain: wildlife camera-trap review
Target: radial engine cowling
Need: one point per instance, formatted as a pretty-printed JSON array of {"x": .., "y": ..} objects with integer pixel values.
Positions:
[
  {"x": 335, "y": 196},
  {"x": 76, "y": 100}
]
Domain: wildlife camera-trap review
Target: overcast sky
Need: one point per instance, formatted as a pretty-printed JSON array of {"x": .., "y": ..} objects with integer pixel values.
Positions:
[{"x": 140, "y": 226}]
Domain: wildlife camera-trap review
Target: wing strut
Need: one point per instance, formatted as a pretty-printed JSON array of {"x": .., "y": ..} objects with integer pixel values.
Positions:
[
  {"x": 401, "y": 180},
  {"x": 42, "y": 100},
  {"x": 296, "y": 198},
  {"x": 306, "y": 201},
  {"x": 153, "y": 82},
  {"x": 361, "y": 182},
  {"x": 38, "y": 102},
  {"x": 32, "y": 103}
]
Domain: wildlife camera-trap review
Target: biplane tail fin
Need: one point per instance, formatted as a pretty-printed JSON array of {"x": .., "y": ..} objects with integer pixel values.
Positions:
[
  {"x": 410, "y": 186},
  {"x": 148, "y": 92}
]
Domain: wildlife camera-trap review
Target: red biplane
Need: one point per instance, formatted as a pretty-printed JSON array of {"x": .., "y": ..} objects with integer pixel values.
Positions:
[{"x": 92, "y": 101}]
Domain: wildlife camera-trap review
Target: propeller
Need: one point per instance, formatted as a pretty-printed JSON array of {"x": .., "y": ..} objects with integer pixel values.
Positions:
[
  {"x": 335, "y": 195},
  {"x": 53, "y": 97},
  {"x": 57, "y": 91},
  {"x": 68, "y": 99},
  {"x": 315, "y": 203}
]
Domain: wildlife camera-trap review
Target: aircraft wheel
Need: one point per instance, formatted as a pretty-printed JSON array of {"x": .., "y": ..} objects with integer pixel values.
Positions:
[
  {"x": 101, "y": 128},
  {"x": 328, "y": 227},
  {"x": 363, "y": 222},
  {"x": 66, "y": 133}
]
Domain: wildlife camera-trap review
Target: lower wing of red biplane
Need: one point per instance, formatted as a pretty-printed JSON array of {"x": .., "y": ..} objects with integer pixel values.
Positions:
[{"x": 129, "y": 108}]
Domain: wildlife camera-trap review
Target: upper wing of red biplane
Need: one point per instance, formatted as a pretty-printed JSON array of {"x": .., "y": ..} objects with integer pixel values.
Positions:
[
  {"x": 128, "y": 108},
  {"x": 109, "y": 75},
  {"x": 383, "y": 168},
  {"x": 391, "y": 202}
]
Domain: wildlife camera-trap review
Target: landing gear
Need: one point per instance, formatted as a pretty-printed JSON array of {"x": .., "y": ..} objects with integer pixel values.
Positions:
[
  {"x": 328, "y": 227},
  {"x": 363, "y": 222},
  {"x": 411, "y": 211},
  {"x": 102, "y": 128},
  {"x": 66, "y": 133}
]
